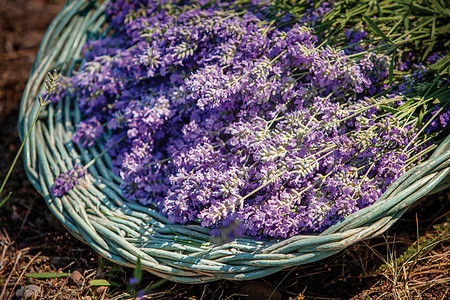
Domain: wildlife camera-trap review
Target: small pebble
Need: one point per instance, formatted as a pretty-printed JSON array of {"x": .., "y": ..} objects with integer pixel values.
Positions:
[
  {"x": 100, "y": 290},
  {"x": 30, "y": 291},
  {"x": 77, "y": 277}
]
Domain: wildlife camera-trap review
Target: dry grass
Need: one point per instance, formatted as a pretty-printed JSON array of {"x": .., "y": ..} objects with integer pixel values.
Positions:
[{"x": 420, "y": 270}]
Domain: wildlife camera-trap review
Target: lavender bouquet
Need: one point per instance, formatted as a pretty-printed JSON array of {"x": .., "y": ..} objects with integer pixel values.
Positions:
[{"x": 248, "y": 118}]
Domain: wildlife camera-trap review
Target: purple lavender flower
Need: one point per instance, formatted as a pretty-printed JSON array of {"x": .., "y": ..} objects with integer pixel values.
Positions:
[
  {"x": 133, "y": 281},
  {"x": 440, "y": 120},
  {"x": 151, "y": 59},
  {"x": 87, "y": 132},
  {"x": 140, "y": 295},
  {"x": 215, "y": 116},
  {"x": 444, "y": 118},
  {"x": 67, "y": 180}
]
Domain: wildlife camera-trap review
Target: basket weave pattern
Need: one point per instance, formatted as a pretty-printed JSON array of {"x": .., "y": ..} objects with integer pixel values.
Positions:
[{"x": 96, "y": 213}]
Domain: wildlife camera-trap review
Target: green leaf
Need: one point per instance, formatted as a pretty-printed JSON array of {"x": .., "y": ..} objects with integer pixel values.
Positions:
[
  {"x": 443, "y": 93},
  {"x": 389, "y": 109},
  {"x": 441, "y": 64},
  {"x": 379, "y": 9},
  {"x": 406, "y": 23},
  {"x": 421, "y": 9},
  {"x": 46, "y": 275},
  {"x": 421, "y": 115},
  {"x": 103, "y": 282},
  {"x": 428, "y": 50},
  {"x": 5, "y": 199},
  {"x": 442, "y": 97},
  {"x": 137, "y": 273},
  {"x": 406, "y": 104},
  {"x": 433, "y": 28},
  {"x": 376, "y": 29}
]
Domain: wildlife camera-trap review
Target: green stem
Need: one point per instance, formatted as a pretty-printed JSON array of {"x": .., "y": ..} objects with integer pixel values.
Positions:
[
  {"x": 362, "y": 179},
  {"x": 425, "y": 126},
  {"x": 360, "y": 111},
  {"x": 264, "y": 185},
  {"x": 21, "y": 146},
  {"x": 418, "y": 155}
]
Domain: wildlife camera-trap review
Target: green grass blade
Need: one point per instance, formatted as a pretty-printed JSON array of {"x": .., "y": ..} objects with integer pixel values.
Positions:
[
  {"x": 46, "y": 275},
  {"x": 428, "y": 50},
  {"x": 376, "y": 29},
  {"x": 5, "y": 199},
  {"x": 389, "y": 109},
  {"x": 380, "y": 13},
  {"x": 103, "y": 282},
  {"x": 137, "y": 272},
  {"x": 441, "y": 64},
  {"x": 421, "y": 9}
]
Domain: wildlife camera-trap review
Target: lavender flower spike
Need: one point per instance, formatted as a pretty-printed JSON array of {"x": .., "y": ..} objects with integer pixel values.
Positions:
[{"x": 67, "y": 180}]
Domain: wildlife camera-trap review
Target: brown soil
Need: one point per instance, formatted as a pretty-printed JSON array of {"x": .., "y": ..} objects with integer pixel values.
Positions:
[{"x": 32, "y": 241}]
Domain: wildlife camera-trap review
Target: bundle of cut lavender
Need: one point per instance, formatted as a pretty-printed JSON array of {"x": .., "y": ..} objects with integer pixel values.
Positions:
[{"x": 242, "y": 120}]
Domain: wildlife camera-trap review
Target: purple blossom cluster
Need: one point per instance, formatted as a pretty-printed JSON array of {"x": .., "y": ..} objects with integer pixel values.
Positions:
[
  {"x": 314, "y": 14},
  {"x": 212, "y": 114},
  {"x": 87, "y": 132},
  {"x": 67, "y": 180},
  {"x": 438, "y": 118}
]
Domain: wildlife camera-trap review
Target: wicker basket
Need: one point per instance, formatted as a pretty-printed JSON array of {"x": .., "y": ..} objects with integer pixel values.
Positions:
[{"x": 96, "y": 213}]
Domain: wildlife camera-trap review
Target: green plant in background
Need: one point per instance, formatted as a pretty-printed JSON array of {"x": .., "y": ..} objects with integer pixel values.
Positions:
[
  {"x": 396, "y": 29},
  {"x": 51, "y": 83},
  {"x": 420, "y": 247},
  {"x": 400, "y": 267},
  {"x": 401, "y": 24},
  {"x": 134, "y": 281}
]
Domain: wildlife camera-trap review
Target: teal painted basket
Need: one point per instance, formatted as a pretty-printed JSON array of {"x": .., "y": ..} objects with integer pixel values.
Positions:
[{"x": 95, "y": 212}]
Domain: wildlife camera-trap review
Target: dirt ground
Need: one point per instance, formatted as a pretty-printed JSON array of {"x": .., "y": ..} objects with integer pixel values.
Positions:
[{"x": 32, "y": 241}]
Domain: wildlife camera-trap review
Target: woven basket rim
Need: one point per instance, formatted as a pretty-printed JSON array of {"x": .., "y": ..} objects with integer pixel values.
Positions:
[{"x": 121, "y": 231}]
